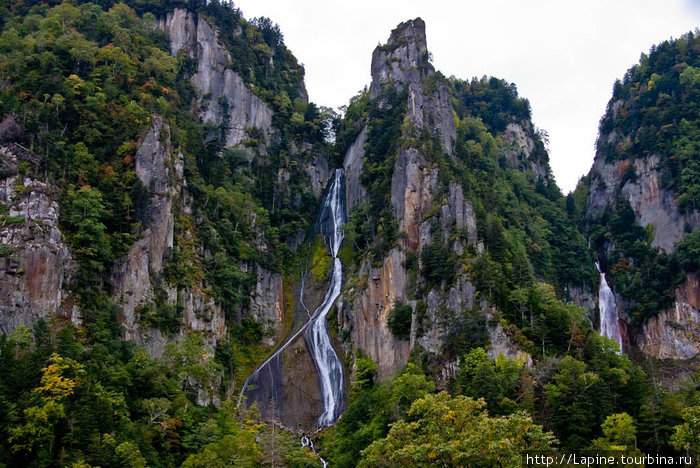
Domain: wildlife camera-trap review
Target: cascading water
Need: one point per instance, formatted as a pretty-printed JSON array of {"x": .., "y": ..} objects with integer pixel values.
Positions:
[
  {"x": 306, "y": 442},
  {"x": 609, "y": 319},
  {"x": 330, "y": 371}
]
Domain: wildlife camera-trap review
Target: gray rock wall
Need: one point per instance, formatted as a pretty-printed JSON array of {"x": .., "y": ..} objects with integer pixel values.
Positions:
[
  {"x": 355, "y": 193},
  {"x": 138, "y": 275},
  {"x": 215, "y": 82},
  {"x": 519, "y": 155},
  {"x": 36, "y": 264},
  {"x": 639, "y": 181},
  {"x": 404, "y": 64},
  {"x": 675, "y": 333},
  {"x": 652, "y": 204}
]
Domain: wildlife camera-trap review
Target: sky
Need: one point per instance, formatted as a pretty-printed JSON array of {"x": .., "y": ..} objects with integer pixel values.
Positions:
[{"x": 562, "y": 55}]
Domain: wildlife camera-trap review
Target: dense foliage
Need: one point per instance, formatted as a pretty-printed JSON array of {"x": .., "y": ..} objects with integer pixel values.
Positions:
[
  {"x": 653, "y": 114},
  {"x": 590, "y": 399},
  {"x": 85, "y": 81},
  {"x": 655, "y": 110}
]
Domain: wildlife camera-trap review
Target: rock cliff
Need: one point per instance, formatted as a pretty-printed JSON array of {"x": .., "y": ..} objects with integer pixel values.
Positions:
[
  {"x": 653, "y": 205},
  {"x": 675, "y": 333},
  {"x": 404, "y": 63},
  {"x": 224, "y": 100},
  {"x": 138, "y": 277},
  {"x": 36, "y": 264},
  {"x": 422, "y": 210},
  {"x": 621, "y": 175}
]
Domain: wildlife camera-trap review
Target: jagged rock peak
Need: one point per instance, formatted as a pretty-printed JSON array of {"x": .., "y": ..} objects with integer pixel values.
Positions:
[{"x": 403, "y": 59}]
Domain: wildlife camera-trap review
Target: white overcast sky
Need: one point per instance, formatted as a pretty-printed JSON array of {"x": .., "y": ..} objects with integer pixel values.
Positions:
[{"x": 562, "y": 55}]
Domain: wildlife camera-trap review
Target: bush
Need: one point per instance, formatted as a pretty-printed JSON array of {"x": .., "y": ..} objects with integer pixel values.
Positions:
[
  {"x": 688, "y": 252},
  {"x": 438, "y": 265},
  {"x": 399, "y": 320}
]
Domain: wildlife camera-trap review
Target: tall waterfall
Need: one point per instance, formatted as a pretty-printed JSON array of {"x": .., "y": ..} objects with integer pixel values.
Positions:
[
  {"x": 330, "y": 372},
  {"x": 609, "y": 319}
]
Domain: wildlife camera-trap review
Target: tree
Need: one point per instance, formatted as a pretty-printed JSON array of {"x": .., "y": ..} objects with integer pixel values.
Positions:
[
  {"x": 480, "y": 377},
  {"x": 570, "y": 399},
  {"x": 399, "y": 320},
  {"x": 688, "y": 252},
  {"x": 619, "y": 433},
  {"x": 89, "y": 239},
  {"x": 195, "y": 366},
  {"x": 232, "y": 450},
  {"x": 444, "y": 431},
  {"x": 407, "y": 388},
  {"x": 58, "y": 382},
  {"x": 687, "y": 435},
  {"x": 365, "y": 373}
]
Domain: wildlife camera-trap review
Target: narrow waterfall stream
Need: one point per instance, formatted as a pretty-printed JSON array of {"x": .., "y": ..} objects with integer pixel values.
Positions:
[
  {"x": 609, "y": 319},
  {"x": 330, "y": 371}
]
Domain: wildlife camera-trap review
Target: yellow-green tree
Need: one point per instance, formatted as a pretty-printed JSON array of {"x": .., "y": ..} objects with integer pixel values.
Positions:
[
  {"x": 58, "y": 382},
  {"x": 687, "y": 435},
  {"x": 456, "y": 431}
]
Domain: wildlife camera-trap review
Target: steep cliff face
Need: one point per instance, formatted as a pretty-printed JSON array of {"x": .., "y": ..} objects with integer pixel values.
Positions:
[
  {"x": 352, "y": 164},
  {"x": 267, "y": 304},
  {"x": 367, "y": 315},
  {"x": 675, "y": 333},
  {"x": 643, "y": 200},
  {"x": 403, "y": 63},
  {"x": 419, "y": 209},
  {"x": 132, "y": 276},
  {"x": 518, "y": 156},
  {"x": 138, "y": 277},
  {"x": 653, "y": 205},
  {"x": 36, "y": 264},
  {"x": 224, "y": 99}
]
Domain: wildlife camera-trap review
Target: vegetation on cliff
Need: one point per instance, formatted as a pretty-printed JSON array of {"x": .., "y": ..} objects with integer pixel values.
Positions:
[
  {"x": 653, "y": 113},
  {"x": 85, "y": 81}
]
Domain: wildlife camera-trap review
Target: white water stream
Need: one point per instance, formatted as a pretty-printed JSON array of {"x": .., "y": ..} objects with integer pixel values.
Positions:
[
  {"x": 330, "y": 371},
  {"x": 609, "y": 318}
]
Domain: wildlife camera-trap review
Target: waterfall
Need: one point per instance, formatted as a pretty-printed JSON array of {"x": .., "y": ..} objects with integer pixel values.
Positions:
[
  {"x": 609, "y": 319},
  {"x": 330, "y": 371},
  {"x": 306, "y": 442}
]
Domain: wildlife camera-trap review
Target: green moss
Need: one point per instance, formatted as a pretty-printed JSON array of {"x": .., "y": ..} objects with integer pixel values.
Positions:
[
  {"x": 6, "y": 250},
  {"x": 346, "y": 254},
  {"x": 321, "y": 260},
  {"x": 9, "y": 221}
]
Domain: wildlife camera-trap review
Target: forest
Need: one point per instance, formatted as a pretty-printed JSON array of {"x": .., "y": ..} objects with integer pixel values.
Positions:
[{"x": 82, "y": 82}]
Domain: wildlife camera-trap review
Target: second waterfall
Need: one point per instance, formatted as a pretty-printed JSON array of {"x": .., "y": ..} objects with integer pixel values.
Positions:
[
  {"x": 609, "y": 319},
  {"x": 264, "y": 383}
]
